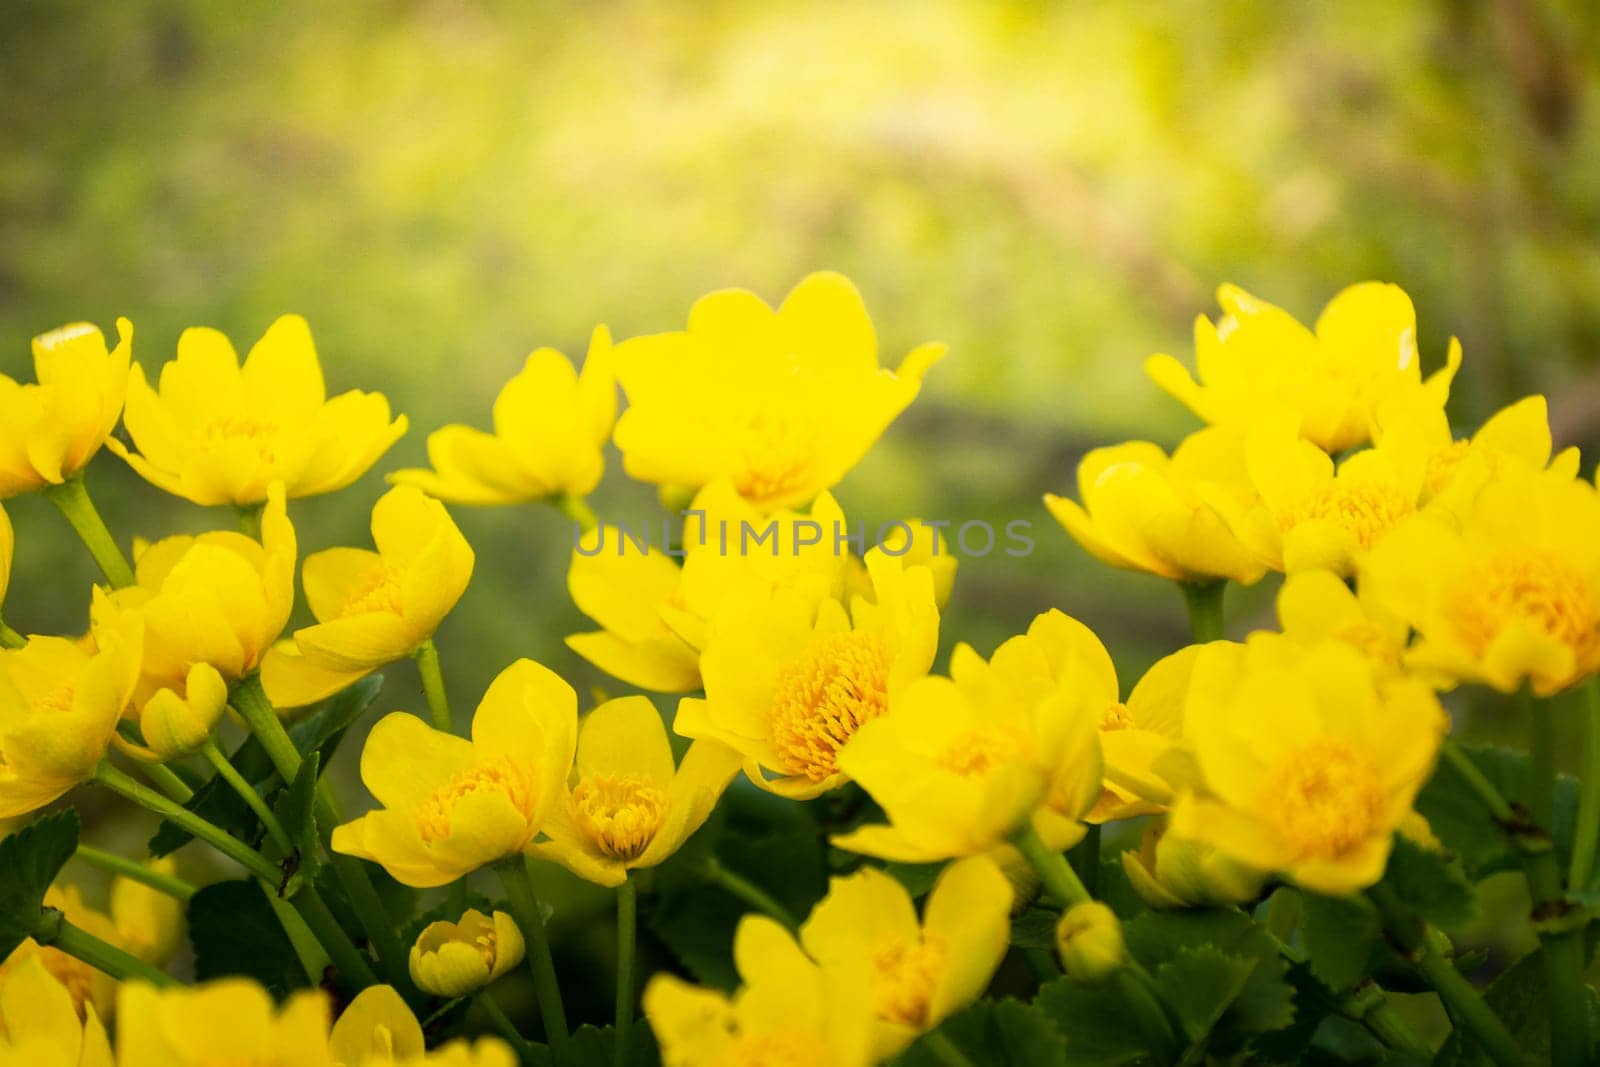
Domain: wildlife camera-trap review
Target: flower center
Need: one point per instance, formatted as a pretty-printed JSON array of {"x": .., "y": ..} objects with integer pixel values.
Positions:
[
  {"x": 775, "y": 457},
  {"x": 907, "y": 973},
  {"x": 1366, "y": 510},
  {"x": 499, "y": 775},
  {"x": 1116, "y": 717},
  {"x": 242, "y": 431},
  {"x": 790, "y": 1049},
  {"x": 821, "y": 698},
  {"x": 620, "y": 813},
  {"x": 1442, "y": 467},
  {"x": 974, "y": 753},
  {"x": 1325, "y": 798},
  {"x": 380, "y": 592},
  {"x": 58, "y": 699},
  {"x": 1531, "y": 586}
]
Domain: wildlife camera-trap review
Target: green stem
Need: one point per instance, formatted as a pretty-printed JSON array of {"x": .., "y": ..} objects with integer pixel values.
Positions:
[
  {"x": 72, "y": 498},
  {"x": 135, "y": 871},
  {"x": 940, "y": 1048},
  {"x": 54, "y": 930},
  {"x": 1542, "y": 759},
  {"x": 747, "y": 891},
  {"x": 166, "y": 781},
  {"x": 249, "y": 518},
  {"x": 380, "y": 928},
  {"x": 307, "y": 949},
  {"x": 247, "y": 793},
  {"x": 1054, "y": 871},
  {"x": 427, "y": 657},
  {"x": 1085, "y": 859},
  {"x": 250, "y": 701},
  {"x": 506, "y": 1028},
  {"x": 347, "y": 959},
  {"x": 9, "y": 638},
  {"x": 1587, "y": 835},
  {"x": 525, "y": 908},
  {"x": 627, "y": 935},
  {"x": 248, "y": 858},
  {"x": 1491, "y": 796},
  {"x": 1205, "y": 609},
  {"x": 1373, "y": 1007},
  {"x": 577, "y": 509}
]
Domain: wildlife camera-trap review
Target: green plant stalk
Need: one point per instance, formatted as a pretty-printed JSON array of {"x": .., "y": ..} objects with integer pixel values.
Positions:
[
  {"x": 506, "y": 1028},
  {"x": 248, "y": 858},
  {"x": 54, "y": 930},
  {"x": 230, "y": 774},
  {"x": 627, "y": 937},
  {"x": 427, "y": 657},
  {"x": 1371, "y": 1007},
  {"x": 307, "y": 949},
  {"x": 1204, "y": 600},
  {"x": 134, "y": 871},
  {"x": 1587, "y": 833},
  {"x": 71, "y": 498},
  {"x": 381, "y": 930},
  {"x": 940, "y": 1048},
  {"x": 1486, "y": 791},
  {"x": 163, "y": 779},
  {"x": 347, "y": 959},
  {"x": 1085, "y": 859},
  {"x": 1059, "y": 879},
  {"x": 577, "y": 509},
  {"x": 1541, "y": 759},
  {"x": 740, "y": 886},
  {"x": 9, "y": 638},
  {"x": 250, "y": 701},
  {"x": 513, "y": 872}
]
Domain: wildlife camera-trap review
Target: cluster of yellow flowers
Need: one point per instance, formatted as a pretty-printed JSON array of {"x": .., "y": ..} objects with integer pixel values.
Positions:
[{"x": 1414, "y": 562}]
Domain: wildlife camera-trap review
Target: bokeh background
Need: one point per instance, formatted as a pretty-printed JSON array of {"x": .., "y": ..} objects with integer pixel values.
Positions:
[{"x": 1054, "y": 189}]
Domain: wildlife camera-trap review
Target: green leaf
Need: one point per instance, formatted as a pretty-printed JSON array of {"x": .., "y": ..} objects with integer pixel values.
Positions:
[
  {"x": 1098, "y": 1027},
  {"x": 1313, "y": 1004},
  {"x": 321, "y": 732},
  {"x": 1200, "y": 984},
  {"x": 1430, "y": 884},
  {"x": 235, "y": 932},
  {"x": 1461, "y": 822},
  {"x": 1339, "y": 933},
  {"x": 597, "y": 1044},
  {"x": 295, "y": 808},
  {"x": 1035, "y": 928},
  {"x": 30, "y": 859},
  {"x": 1116, "y": 892},
  {"x": 997, "y": 1033}
]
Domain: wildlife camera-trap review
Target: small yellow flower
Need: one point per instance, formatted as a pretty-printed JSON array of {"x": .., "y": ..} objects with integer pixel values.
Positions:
[
  {"x": 1142, "y": 511},
  {"x": 1505, "y": 591},
  {"x": 1309, "y": 762},
  {"x": 790, "y": 678},
  {"x": 961, "y": 763},
  {"x": 451, "y": 805},
  {"x": 40, "y": 1025},
  {"x": 149, "y": 923},
  {"x": 217, "y": 433},
  {"x": 1174, "y": 872},
  {"x": 376, "y": 1028},
  {"x": 372, "y": 608},
  {"x": 627, "y": 807},
  {"x": 1257, "y": 358},
  {"x": 922, "y": 972},
  {"x": 454, "y": 959},
  {"x": 1089, "y": 941},
  {"x": 50, "y": 431},
  {"x": 915, "y": 544},
  {"x": 59, "y": 707},
  {"x": 1518, "y": 434},
  {"x": 231, "y": 1020},
  {"x": 550, "y": 425},
  {"x": 787, "y": 1011},
  {"x": 784, "y": 403}
]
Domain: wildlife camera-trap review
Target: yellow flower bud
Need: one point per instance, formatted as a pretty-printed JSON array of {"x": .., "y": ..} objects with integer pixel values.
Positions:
[
  {"x": 1089, "y": 941},
  {"x": 1177, "y": 872},
  {"x": 175, "y": 724},
  {"x": 454, "y": 959}
]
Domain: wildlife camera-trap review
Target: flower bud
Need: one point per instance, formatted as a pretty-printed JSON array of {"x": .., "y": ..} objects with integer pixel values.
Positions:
[
  {"x": 454, "y": 959},
  {"x": 176, "y": 724},
  {"x": 1089, "y": 940}
]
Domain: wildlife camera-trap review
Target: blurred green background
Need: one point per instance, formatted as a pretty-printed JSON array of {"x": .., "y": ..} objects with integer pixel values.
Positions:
[{"x": 1054, "y": 189}]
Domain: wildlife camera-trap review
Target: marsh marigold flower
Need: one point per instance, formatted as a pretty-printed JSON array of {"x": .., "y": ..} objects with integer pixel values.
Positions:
[
  {"x": 450, "y": 805},
  {"x": 1175, "y": 872},
  {"x": 550, "y": 426},
  {"x": 372, "y": 608},
  {"x": 1317, "y": 606},
  {"x": 790, "y": 678},
  {"x": 49, "y": 431},
  {"x": 787, "y": 1010},
  {"x": 1143, "y": 511},
  {"x": 230, "y": 1020},
  {"x": 1257, "y": 358},
  {"x": 781, "y": 402},
  {"x": 216, "y": 433},
  {"x": 1309, "y": 762},
  {"x": 922, "y": 971},
  {"x": 626, "y": 806},
  {"x": 375, "y": 1028},
  {"x": 40, "y": 1025},
  {"x": 89, "y": 987},
  {"x": 452, "y": 959}
]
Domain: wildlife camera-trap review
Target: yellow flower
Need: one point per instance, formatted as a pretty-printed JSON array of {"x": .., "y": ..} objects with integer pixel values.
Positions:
[
  {"x": 1257, "y": 358},
  {"x": 219, "y": 434},
  {"x": 790, "y": 678},
  {"x": 655, "y": 614},
  {"x": 228, "y": 1021},
  {"x": 454, "y": 959},
  {"x": 961, "y": 763},
  {"x": 1142, "y": 511},
  {"x": 372, "y": 608},
  {"x": 915, "y": 544},
  {"x": 1089, "y": 941},
  {"x": 451, "y": 805},
  {"x": 40, "y": 1025},
  {"x": 50, "y": 431},
  {"x": 148, "y": 922},
  {"x": 1504, "y": 592},
  {"x": 88, "y": 987},
  {"x": 550, "y": 425},
  {"x": 59, "y": 707},
  {"x": 1174, "y": 872},
  {"x": 921, "y": 972},
  {"x": 1316, "y": 606},
  {"x": 788, "y": 1010},
  {"x": 8, "y": 544},
  {"x": 1309, "y": 763},
  {"x": 784, "y": 403},
  {"x": 376, "y": 1028},
  {"x": 627, "y": 807},
  {"x": 1137, "y": 737},
  {"x": 484, "y": 1052}
]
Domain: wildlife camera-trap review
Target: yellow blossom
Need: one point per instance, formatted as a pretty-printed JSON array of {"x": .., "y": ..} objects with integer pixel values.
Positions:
[
  {"x": 50, "y": 431},
  {"x": 1257, "y": 358},
  {"x": 790, "y": 678},
  {"x": 1137, "y": 737},
  {"x": 1142, "y": 511},
  {"x": 372, "y": 608},
  {"x": 90, "y": 989},
  {"x": 922, "y": 972},
  {"x": 40, "y": 1025},
  {"x": 627, "y": 807},
  {"x": 376, "y": 1028},
  {"x": 1175, "y": 872},
  {"x": 227, "y": 1021},
  {"x": 452, "y": 959},
  {"x": 450, "y": 805},
  {"x": 914, "y": 543},
  {"x": 216, "y": 433},
  {"x": 787, "y": 1011},
  {"x": 960, "y": 764},
  {"x": 8, "y": 545},
  {"x": 1504, "y": 591},
  {"x": 1316, "y": 606},
  {"x": 148, "y": 922},
  {"x": 784, "y": 403},
  {"x": 59, "y": 707},
  {"x": 1309, "y": 763},
  {"x": 550, "y": 425},
  {"x": 1089, "y": 941}
]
